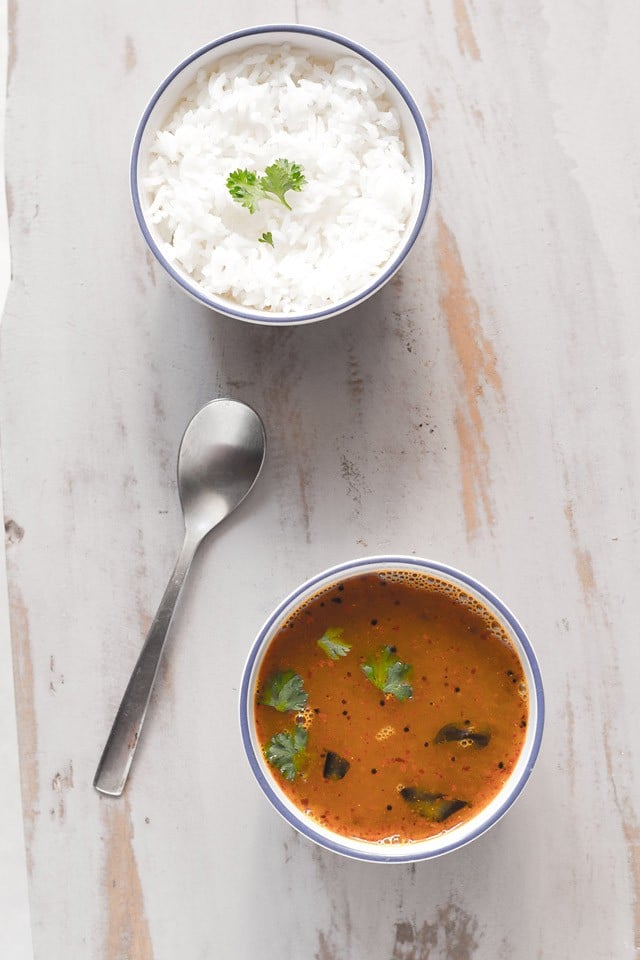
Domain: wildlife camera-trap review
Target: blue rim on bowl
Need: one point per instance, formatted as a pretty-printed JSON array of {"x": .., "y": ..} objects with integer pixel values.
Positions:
[
  {"x": 221, "y": 304},
  {"x": 446, "y": 841}
]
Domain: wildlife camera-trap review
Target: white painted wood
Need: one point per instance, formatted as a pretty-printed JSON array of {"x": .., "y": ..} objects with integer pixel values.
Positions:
[
  {"x": 15, "y": 928},
  {"x": 482, "y": 410}
]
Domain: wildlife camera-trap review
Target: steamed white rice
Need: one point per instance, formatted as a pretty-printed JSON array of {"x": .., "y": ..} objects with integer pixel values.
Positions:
[{"x": 333, "y": 119}]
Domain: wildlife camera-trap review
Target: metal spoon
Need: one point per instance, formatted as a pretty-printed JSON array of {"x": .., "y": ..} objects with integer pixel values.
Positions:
[{"x": 221, "y": 455}]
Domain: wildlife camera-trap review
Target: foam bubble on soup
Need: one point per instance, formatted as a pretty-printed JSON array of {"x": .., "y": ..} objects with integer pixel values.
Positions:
[
  {"x": 331, "y": 118},
  {"x": 419, "y": 718}
]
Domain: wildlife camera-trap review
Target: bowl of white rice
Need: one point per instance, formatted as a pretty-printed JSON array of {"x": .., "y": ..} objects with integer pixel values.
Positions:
[{"x": 281, "y": 174}]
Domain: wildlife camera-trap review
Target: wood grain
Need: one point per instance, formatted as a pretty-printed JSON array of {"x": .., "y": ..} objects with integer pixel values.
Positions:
[
  {"x": 478, "y": 371},
  {"x": 127, "y": 932},
  {"x": 482, "y": 410}
]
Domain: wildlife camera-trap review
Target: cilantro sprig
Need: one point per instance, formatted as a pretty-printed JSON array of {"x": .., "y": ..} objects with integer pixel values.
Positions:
[
  {"x": 287, "y": 752},
  {"x": 388, "y": 674},
  {"x": 284, "y": 691},
  {"x": 244, "y": 188},
  {"x": 332, "y": 643},
  {"x": 248, "y": 189}
]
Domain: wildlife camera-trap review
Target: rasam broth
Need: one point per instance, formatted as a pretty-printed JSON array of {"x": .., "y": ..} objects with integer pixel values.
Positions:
[{"x": 408, "y": 763}]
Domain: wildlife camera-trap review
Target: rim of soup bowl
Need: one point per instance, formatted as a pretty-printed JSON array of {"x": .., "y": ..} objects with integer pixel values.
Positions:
[
  {"x": 447, "y": 840},
  {"x": 250, "y": 314}
]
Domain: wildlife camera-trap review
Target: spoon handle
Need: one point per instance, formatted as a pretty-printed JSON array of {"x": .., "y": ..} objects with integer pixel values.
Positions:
[{"x": 120, "y": 747}]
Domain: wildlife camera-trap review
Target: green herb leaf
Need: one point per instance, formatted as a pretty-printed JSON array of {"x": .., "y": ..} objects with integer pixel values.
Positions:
[
  {"x": 396, "y": 684},
  {"x": 387, "y": 673},
  {"x": 284, "y": 691},
  {"x": 332, "y": 644},
  {"x": 248, "y": 189},
  {"x": 282, "y": 176},
  {"x": 245, "y": 189},
  {"x": 287, "y": 751},
  {"x": 266, "y": 238}
]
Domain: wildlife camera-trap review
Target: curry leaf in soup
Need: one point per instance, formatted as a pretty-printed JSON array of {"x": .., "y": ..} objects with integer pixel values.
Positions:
[
  {"x": 388, "y": 674},
  {"x": 466, "y": 736},
  {"x": 335, "y": 766},
  {"x": 287, "y": 751},
  {"x": 332, "y": 643},
  {"x": 284, "y": 691},
  {"x": 432, "y": 806}
]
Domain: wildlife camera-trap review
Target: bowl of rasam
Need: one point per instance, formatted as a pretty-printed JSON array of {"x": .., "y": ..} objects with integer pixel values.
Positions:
[
  {"x": 281, "y": 174},
  {"x": 391, "y": 709}
]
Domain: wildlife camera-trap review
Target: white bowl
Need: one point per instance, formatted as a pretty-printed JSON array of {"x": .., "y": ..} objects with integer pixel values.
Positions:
[
  {"x": 320, "y": 43},
  {"x": 447, "y": 840}
]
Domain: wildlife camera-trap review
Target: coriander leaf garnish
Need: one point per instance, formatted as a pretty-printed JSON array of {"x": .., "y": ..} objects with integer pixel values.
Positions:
[
  {"x": 266, "y": 238},
  {"x": 284, "y": 691},
  {"x": 244, "y": 188},
  {"x": 396, "y": 683},
  {"x": 387, "y": 673},
  {"x": 332, "y": 643},
  {"x": 286, "y": 751},
  {"x": 282, "y": 176},
  {"x": 248, "y": 189}
]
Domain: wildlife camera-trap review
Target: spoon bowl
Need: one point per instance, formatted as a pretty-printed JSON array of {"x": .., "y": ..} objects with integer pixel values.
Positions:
[{"x": 221, "y": 455}]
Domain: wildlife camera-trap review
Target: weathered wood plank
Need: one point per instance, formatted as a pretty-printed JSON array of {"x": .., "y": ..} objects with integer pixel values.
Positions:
[{"x": 482, "y": 410}]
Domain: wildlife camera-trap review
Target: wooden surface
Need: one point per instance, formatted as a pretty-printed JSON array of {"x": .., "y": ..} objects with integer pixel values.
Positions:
[
  {"x": 483, "y": 410},
  {"x": 15, "y": 925}
]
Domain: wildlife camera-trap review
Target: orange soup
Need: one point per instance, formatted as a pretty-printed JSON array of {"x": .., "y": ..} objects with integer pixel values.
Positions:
[{"x": 391, "y": 706}]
